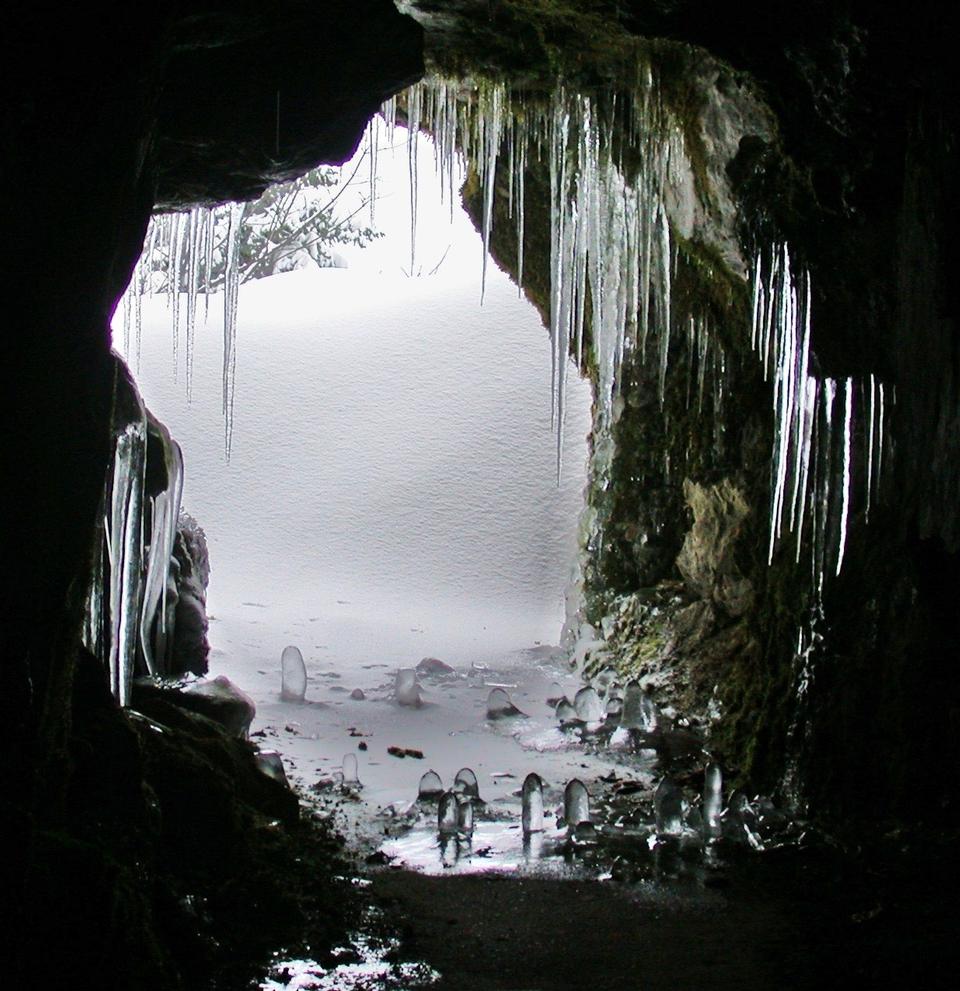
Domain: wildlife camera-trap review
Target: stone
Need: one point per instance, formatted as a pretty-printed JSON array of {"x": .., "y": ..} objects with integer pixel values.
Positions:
[
  {"x": 433, "y": 667},
  {"x": 223, "y": 702}
]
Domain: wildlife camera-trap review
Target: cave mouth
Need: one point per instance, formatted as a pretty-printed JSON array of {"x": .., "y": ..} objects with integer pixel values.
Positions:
[{"x": 391, "y": 491}]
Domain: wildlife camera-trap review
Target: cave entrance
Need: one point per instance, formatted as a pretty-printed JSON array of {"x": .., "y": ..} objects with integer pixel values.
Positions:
[{"x": 391, "y": 491}]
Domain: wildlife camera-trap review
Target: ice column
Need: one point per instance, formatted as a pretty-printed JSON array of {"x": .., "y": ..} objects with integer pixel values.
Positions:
[
  {"x": 465, "y": 783},
  {"x": 351, "y": 777},
  {"x": 448, "y": 814},
  {"x": 431, "y": 787},
  {"x": 668, "y": 805},
  {"x": 164, "y": 512},
  {"x": 293, "y": 674},
  {"x": 712, "y": 798},
  {"x": 576, "y": 804},
  {"x": 532, "y": 797}
]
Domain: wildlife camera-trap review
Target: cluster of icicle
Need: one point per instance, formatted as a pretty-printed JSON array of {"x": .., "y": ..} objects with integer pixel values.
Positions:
[
  {"x": 611, "y": 255},
  {"x": 127, "y": 610},
  {"x": 180, "y": 253},
  {"x": 815, "y": 422}
]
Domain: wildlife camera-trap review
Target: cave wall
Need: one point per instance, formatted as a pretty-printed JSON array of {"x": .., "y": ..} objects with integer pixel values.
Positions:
[
  {"x": 109, "y": 110},
  {"x": 858, "y": 175}
]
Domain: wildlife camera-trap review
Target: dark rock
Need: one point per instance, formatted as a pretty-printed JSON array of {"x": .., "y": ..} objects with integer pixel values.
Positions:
[
  {"x": 433, "y": 667},
  {"x": 218, "y": 700},
  {"x": 190, "y": 648},
  {"x": 358, "y": 695}
]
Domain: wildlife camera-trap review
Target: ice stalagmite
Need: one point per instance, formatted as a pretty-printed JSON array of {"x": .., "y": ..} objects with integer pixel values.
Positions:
[
  {"x": 500, "y": 705},
  {"x": 649, "y": 714},
  {"x": 668, "y": 806},
  {"x": 632, "y": 715},
  {"x": 351, "y": 777},
  {"x": 271, "y": 764},
  {"x": 712, "y": 798},
  {"x": 293, "y": 675},
  {"x": 431, "y": 787},
  {"x": 565, "y": 712},
  {"x": 464, "y": 816},
  {"x": 576, "y": 803},
  {"x": 406, "y": 688},
  {"x": 588, "y": 706},
  {"x": 465, "y": 783},
  {"x": 447, "y": 814},
  {"x": 532, "y": 809}
]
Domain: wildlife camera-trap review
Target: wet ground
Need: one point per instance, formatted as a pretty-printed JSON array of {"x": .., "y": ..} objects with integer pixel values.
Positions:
[{"x": 496, "y": 912}]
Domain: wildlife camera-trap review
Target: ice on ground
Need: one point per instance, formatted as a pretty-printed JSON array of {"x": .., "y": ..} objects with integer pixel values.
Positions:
[
  {"x": 650, "y": 714},
  {"x": 351, "y": 775},
  {"x": 500, "y": 705},
  {"x": 293, "y": 675},
  {"x": 631, "y": 715},
  {"x": 532, "y": 797},
  {"x": 271, "y": 763},
  {"x": 668, "y": 805},
  {"x": 464, "y": 816},
  {"x": 565, "y": 712},
  {"x": 465, "y": 783},
  {"x": 588, "y": 706},
  {"x": 576, "y": 803},
  {"x": 448, "y": 815},
  {"x": 407, "y": 690},
  {"x": 712, "y": 798},
  {"x": 431, "y": 787}
]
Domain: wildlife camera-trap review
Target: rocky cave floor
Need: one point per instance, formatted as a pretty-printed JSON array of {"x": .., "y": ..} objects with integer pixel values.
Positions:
[{"x": 862, "y": 906}]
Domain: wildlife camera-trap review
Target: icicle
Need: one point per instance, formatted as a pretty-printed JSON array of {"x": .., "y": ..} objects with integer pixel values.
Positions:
[
  {"x": 373, "y": 141},
  {"x": 870, "y": 427},
  {"x": 845, "y": 503},
  {"x": 165, "y": 514},
  {"x": 210, "y": 226},
  {"x": 123, "y": 531},
  {"x": 193, "y": 281},
  {"x": 231, "y": 291},
  {"x": 413, "y": 130},
  {"x": 178, "y": 222},
  {"x": 492, "y": 128}
]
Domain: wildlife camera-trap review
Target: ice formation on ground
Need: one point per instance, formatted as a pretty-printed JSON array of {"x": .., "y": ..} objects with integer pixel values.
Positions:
[
  {"x": 532, "y": 798},
  {"x": 431, "y": 787},
  {"x": 712, "y": 798},
  {"x": 271, "y": 763},
  {"x": 588, "y": 706},
  {"x": 576, "y": 803},
  {"x": 668, "y": 806},
  {"x": 407, "y": 690},
  {"x": 448, "y": 814},
  {"x": 351, "y": 776},
  {"x": 632, "y": 715},
  {"x": 464, "y": 816},
  {"x": 465, "y": 783},
  {"x": 500, "y": 705},
  {"x": 565, "y": 712},
  {"x": 293, "y": 675}
]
